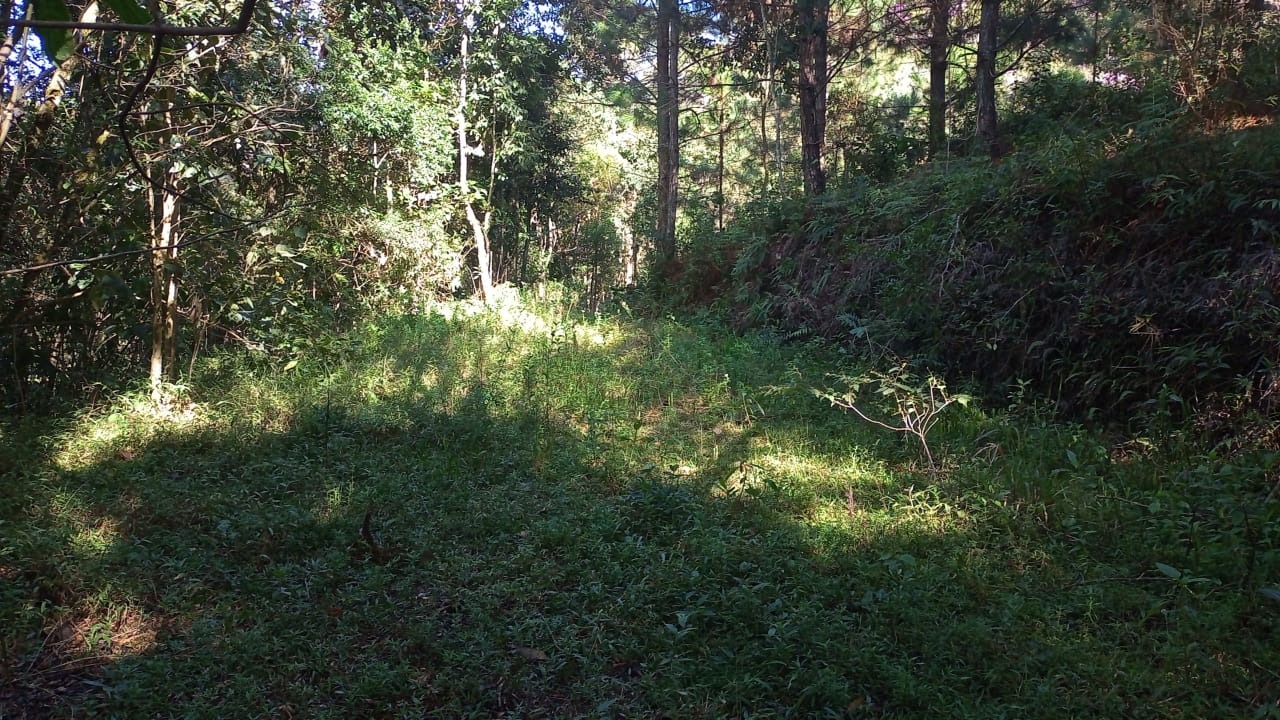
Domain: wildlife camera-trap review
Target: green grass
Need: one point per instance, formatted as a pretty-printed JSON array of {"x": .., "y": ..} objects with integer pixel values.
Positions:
[{"x": 616, "y": 519}]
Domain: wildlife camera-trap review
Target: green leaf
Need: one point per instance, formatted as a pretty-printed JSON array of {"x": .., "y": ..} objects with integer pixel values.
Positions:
[
  {"x": 129, "y": 11},
  {"x": 1169, "y": 570},
  {"x": 56, "y": 41}
]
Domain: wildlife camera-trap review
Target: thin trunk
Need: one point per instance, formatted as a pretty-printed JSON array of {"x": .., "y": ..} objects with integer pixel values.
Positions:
[
  {"x": 668, "y": 132},
  {"x": 813, "y": 18},
  {"x": 1095, "y": 49},
  {"x": 629, "y": 250},
  {"x": 720, "y": 167},
  {"x": 939, "y": 51},
  {"x": 164, "y": 283},
  {"x": 777, "y": 141},
  {"x": 164, "y": 291},
  {"x": 595, "y": 291},
  {"x": 553, "y": 237},
  {"x": 479, "y": 232},
  {"x": 19, "y": 88},
  {"x": 764, "y": 137},
  {"x": 988, "y": 131},
  {"x": 1160, "y": 29},
  {"x": 530, "y": 229},
  {"x": 766, "y": 94}
]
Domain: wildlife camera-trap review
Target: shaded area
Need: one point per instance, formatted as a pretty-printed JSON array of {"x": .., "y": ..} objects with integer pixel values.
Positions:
[
  {"x": 597, "y": 520},
  {"x": 1130, "y": 278}
]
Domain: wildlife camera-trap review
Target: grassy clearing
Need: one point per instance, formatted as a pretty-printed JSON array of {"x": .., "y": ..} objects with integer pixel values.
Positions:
[{"x": 610, "y": 518}]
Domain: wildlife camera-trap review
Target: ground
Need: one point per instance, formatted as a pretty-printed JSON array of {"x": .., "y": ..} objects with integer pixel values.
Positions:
[{"x": 522, "y": 513}]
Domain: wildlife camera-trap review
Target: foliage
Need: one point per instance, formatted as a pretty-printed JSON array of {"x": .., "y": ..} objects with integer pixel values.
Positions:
[
  {"x": 1121, "y": 273},
  {"x": 917, "y": 403}
]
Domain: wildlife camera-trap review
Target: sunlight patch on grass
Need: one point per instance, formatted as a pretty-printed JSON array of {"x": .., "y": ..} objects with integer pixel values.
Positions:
[
  {"x": 114, "y": 632},
  {"x": 796, "y": 466},
  {"x": 336, "y": 503},
  {"x": 95, "y": 539},
  {"x": 71, "y": 509},
  {"x": 91, "y": 436}
]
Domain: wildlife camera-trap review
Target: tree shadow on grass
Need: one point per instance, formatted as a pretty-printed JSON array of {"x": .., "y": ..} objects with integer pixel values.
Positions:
[{"x": 476, "y": 553}]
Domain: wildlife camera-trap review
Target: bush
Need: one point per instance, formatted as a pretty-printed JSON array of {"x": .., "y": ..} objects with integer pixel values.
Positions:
[{"x": 1120, "y": 274}]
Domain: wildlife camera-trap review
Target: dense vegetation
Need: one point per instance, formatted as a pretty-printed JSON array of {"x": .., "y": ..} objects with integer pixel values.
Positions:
[{"x": 485, "y": 358}]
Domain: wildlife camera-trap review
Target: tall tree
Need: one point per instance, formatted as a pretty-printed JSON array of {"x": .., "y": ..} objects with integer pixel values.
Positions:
[
  {"x": 479, "y": 227},
  {"x": 668, "y": 111},
  {"x": 939, "y": 55},
  {"x": 985, "y": 90},
  {"x": 813, "y": 21},
  {"x": 163, "y": 205}
]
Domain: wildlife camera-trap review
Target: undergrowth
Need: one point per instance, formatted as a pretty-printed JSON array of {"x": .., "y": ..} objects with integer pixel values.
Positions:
[
  {"x": 1128, "y": 274},
  {"x": 522, "y": 513}
]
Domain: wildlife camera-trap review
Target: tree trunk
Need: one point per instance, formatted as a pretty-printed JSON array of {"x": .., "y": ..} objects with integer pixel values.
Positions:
[
  {"x": 630, "y": 251},
  {"x": 530, "y": 227},
  {"x": 988, "y": 131},
  {"x": 939, "y": 51},
  {"x": 164, "y": 283},
  {"x": 813, "y": 19},
  {"x": 1161, "y": 31},
  {"x": 764, "y": 137},
  {"x": 19, "y": 88},
  {"x": 479, "y": 230},
  {"x": 721, "y": 131},
  {"x": 668, "y": 132},
  {"x": 766, "y": 96},
  {"x": 164, "y": 291}
]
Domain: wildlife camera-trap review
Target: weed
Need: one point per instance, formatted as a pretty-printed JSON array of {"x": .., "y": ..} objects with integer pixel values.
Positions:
[{"x": 917, "y": 403}]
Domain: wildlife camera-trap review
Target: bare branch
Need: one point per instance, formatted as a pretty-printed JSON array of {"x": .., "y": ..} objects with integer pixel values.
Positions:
[{"x": 138, "y": 251}]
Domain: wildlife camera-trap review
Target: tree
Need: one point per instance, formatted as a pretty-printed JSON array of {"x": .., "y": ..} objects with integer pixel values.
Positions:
[
  {"x": 479, "y": 227},
  {"x": 985, "y": 85},
  {"x": 668, "y": 111},
  {"x": 135, "y": 150},
  {"x": 939, "y": 64},
  {"x": 813, "y": 18}
]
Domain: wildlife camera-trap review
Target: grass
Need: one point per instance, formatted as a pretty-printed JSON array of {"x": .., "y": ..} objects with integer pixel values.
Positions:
[{"x": 610, "y": 518}]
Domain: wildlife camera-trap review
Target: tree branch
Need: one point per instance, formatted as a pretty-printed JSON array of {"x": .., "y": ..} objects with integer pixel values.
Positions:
[
  {"x": 127, "y": 253},
  {"x": 156, "y": 28}
]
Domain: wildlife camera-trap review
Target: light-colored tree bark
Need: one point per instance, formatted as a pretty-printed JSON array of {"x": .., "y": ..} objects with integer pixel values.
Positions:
[
  {"x": 164, "y": 253},
  {"x": 164, "y": 289},
  {"x": 479, "y": 227}
]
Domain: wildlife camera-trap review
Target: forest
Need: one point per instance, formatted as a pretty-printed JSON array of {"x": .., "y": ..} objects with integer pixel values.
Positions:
[{"x": 640, "y": 359}]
